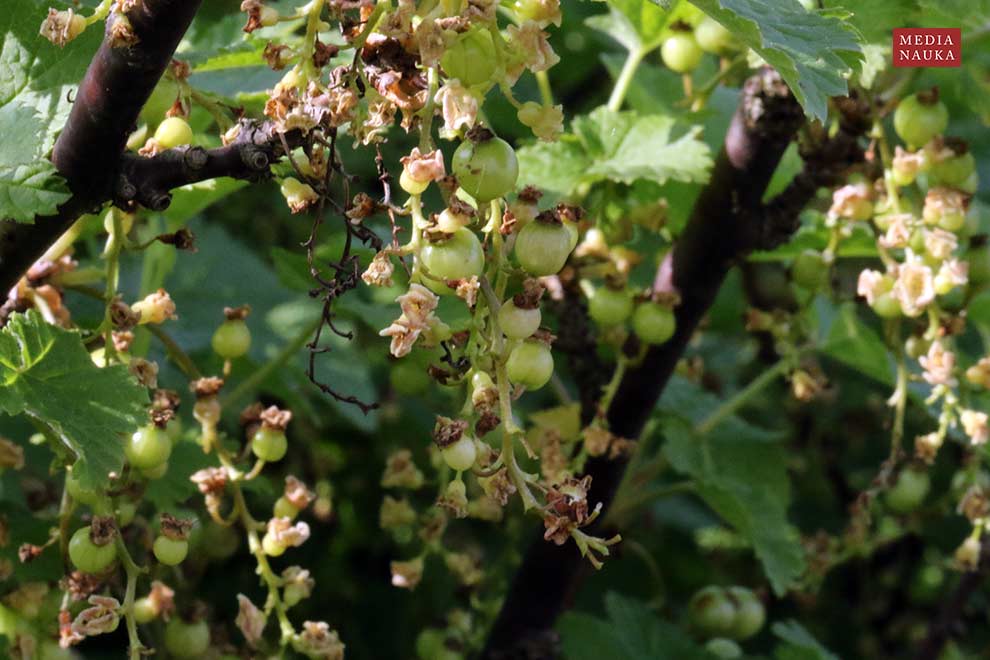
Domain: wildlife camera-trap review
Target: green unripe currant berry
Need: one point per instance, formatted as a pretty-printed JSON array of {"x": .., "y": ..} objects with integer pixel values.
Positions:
[
  {"x": 87, "y": 556},
  {"x": 886, "y": 306},
  {"x": 269, "y": 444},
  {"x": 232, "y": 339},
  {"x": 711, "y": 612},
  {"x": 653, "y": 323},
  {"x": 713, "y": 38},
  {"x": 148, "y": 448},
  {"x": 125, "y": 513},
  {"x": 609, "y": 306},
  {"x": 459, "y": 257},
  {"x": 460, "y": 455},
  {"x": 486, "y": 169},
  {"x": 430, "y": 644},
  {"x": 272, "y": 546},
  {"x": 471, "y": 59},
  {"x": 284, "y": 509},
  {"x": 750, "y": 613},
  {"x": 173, "y": 132},
  {"x": 411, "y": 185},
  {"x": 219, "y": 542},
  {"x": 952, "y": 172},
  {"x": 810, "y": 271},
  {"x": 530, "y": 364},
  {"x": 518, "y": 322},
  {"x": 186, "y": 640},
  {"x": 723, "y": 648},
  {"x": 681, "y": 52},
  {"x": 156, "y": 472},
  {"x": 144, "y": 610},
  {"x": 542, "y": 247},
  {"x": 170, "y": 552},
  {"x": 909, "y": 491},
  {"x": 408, "y": 378},
  {"x": 82, "y": 495},
  {"x": 920, "y": 118}
]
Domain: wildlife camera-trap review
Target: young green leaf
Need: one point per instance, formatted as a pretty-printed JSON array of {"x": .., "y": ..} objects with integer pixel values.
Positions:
[
  {"x": 741, "y": 474},
  {"x": 35, "y": 78},
  {"x": 799, "y": 644},
  {"x": 632, "y": 632},
  {"x": 812, "y": 51},
  {"x": 46, "y": 373},
  {"x": 617, "y": 146}
]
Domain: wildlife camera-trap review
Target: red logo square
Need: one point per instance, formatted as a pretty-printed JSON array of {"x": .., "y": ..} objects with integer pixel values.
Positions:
[{"x": 937, "y": 47}]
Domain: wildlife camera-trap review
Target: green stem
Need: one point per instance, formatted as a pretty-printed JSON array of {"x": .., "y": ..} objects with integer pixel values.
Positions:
[
  {"x": 175, "y": 352},
  {"x": 730, "y": 407},
  {"x": 281, "y": 358},
  {"x": 114, "y": 245},
  {"x": 625, "y": 79},
  {"x": 546, "y": 93},
  {"x": 133, "y": 571}
]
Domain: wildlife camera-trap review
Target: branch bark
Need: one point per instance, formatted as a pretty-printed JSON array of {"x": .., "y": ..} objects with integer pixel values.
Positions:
[
  {"x": 728, "y": 221},
  {"x": 90, "y": 151}
]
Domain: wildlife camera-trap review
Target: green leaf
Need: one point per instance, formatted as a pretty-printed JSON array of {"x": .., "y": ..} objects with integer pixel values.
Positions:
[
  {"x": 640, "y": 25},
  {"x": 175, "y": 487},
  {"x": 35, "y": 79},
  {"x": 45, "y": 372},
  {"x": 742, "y": 476},
  {"x": 633, "y": 632},
  {"x": 617, "y": 146},
  {"x": 850, "y": 341},
  {"x": 811, "y": 50},
  {"x": 799, "y": 643}
]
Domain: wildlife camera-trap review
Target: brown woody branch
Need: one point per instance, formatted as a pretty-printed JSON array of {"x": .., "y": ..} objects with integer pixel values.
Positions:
[
  {"x": 90, "y": 151},
  {"x": 728, "y": 221}
]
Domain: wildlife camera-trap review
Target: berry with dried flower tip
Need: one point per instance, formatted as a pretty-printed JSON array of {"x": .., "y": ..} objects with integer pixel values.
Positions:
[
  {"x": 173, "y": 132},
  {"x": 170, "y": 552},
  {"x": 268, "y": 16},
  {"x": 284, "y": 509},
  {"x": 272, "y": 546},
  {"x": 269, "y": 444},
  {"x": 919, "y": 118},
  {"x": 810, "y": 271},
  {"x": 530, "y": 364},
  {"x": 542, "y": 246},
  {"x": 653, "y": 323},
  {"x": 149, "y": 447},
  {"x": 909, "y": 491},
  {"x": 608, "y": 306},
  {"x": 750, "y": 613},
  {"x": 232, "y": 339},
  {"x": 458, "y": 257},
  {"x": 723, "y": 648},
  {"x": 460, "y": 455},
  {"x": 681, "y": 52},
  {"x": 144, "y": 610},
  {"x": 187, "y": 640},
  {"x": 713, "y": 38},
  {"x": 471, "y": 59},
  {"x": 411, "y": 185},
  {"x": 711, "y": 612},
  {"x": 518, "y": 322},
  {"x": 298, "y": 195},
  {"x": 86, "y": 555},
  {"x": 486, "y": 169}
]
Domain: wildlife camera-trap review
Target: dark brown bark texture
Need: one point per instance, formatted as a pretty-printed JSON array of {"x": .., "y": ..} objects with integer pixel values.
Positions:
[
  {"x": 90, "y": 154},
  {"x": 728, "y": 221}
]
